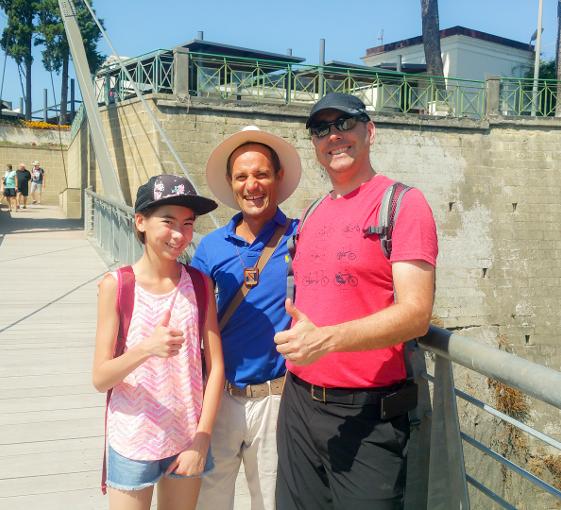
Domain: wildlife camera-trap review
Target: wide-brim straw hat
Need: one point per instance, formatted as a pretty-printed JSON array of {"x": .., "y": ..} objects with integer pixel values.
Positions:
[{"x": 216, "y": 166}]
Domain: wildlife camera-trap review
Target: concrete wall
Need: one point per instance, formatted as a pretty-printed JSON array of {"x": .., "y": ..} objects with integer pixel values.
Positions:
[
  {"x": 24, "y": 145},
  {"x": 494, "y": 187}
]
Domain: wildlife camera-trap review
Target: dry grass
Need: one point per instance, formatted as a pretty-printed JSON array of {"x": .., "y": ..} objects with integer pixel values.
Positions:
[
  {"x": 553, "y": 464},
  {"x": 509, "y": 400},
  {"x": 511, "y": 442}
]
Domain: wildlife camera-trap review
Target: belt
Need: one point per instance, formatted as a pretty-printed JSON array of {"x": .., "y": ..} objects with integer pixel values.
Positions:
[
  {"x": 358, "y": 396},
  {"x": 272, "y": 387}
]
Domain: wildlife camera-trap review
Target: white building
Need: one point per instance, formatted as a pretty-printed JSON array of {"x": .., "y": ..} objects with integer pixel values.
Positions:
[{"x": 466, "y": 53}]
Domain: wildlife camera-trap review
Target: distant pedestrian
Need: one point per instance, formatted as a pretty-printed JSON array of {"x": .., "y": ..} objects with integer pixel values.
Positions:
[
  {"x": 37, "y": 182},
  {"x": 24, "y": 176},
  {"x": 10, "y": 186}
]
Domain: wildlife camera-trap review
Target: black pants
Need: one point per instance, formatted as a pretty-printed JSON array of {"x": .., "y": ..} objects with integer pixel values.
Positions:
[{"x": 335, "y": 456}]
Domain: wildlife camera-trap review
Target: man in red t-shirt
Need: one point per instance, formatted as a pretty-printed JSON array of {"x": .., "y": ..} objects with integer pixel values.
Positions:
[{"x": 342, "y": 441}]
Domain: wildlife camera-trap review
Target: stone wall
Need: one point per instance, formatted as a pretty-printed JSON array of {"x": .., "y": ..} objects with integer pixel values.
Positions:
[
  {"x": 495, "y": 189},
  {"x": 24, "y": 145}
]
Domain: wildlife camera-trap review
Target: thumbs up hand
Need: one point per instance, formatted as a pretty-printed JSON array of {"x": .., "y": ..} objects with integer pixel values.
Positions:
[
  {"x": 304, "y": 343},
  {"x": 164, "y": 341}
]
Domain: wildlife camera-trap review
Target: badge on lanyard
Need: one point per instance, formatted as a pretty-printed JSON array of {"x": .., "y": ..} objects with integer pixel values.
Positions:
[{"x": 250, "y": 277}]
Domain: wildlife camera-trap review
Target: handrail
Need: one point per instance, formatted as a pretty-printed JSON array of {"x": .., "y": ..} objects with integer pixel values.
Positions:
[
  {"x": 127, "y": 209},
  {"x": 111, "y": 225},
  {"x": 530, "y": 378},
  {"x": 133, "y": 60}
]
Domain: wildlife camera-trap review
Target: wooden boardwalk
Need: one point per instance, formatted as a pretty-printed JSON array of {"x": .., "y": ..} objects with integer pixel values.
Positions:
[{"x": 51, "y": 418}]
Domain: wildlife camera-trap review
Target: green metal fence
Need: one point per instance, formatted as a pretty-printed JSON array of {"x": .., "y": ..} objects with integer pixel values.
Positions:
[
  {"x": 525, "y": 96},
  {"x": 152, "y": 72},
  {"x": 267, "y": 80},
  {"x": 281, "y": 82}
]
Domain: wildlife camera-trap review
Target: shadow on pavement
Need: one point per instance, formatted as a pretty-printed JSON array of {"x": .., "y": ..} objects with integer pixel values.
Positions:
[{"x": 27, "y": 221}]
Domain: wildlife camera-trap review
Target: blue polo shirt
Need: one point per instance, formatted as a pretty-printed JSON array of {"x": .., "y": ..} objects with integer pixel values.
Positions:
[{"x": 250, "y": 356}]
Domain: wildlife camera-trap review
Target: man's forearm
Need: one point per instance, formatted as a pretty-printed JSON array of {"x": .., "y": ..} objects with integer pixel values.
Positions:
[{"x": 390, "y": 326}]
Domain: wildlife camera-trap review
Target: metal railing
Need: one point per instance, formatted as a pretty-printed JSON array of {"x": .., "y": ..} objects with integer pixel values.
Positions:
[
  {"x": 446, "y": 450},
  {"x": 525, "y": 96},
  {"x": 152, "y": 72},
  {"x": 111, "y": 226},
  {"x": 261, "y": 80},
  {"x": 269, "y": 80},
  {"x": 437, "y": 478}
]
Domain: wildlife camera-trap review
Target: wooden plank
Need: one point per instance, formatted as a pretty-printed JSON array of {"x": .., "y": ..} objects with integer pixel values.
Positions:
[
  {"x": 15, "y": 393},
  {"x": 78, "y": 499},
  {"x": 47, "y": 431},
  {"x": 56, "y": 446}
]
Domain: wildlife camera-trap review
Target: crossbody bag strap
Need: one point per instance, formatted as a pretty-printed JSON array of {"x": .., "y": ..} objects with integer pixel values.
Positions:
[
  {"x": 201, "y": 294},
  {"x": 263, "y": 259}
]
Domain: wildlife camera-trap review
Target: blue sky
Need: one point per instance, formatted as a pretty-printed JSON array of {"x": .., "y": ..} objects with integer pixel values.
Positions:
[{"x": 348, "y": 27}]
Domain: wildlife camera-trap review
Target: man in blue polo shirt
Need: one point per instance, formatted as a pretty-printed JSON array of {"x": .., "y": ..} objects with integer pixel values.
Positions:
[{"x": 252, "y": 171}]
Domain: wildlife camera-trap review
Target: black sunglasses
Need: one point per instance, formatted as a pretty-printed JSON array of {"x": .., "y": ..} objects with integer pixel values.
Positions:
[{"x": 343, "y": 123}]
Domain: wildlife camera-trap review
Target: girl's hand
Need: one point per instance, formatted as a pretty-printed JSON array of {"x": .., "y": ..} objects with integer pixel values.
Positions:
[
  {"x": 191, "y": 462},
  {"x": 164, "y": 342}
]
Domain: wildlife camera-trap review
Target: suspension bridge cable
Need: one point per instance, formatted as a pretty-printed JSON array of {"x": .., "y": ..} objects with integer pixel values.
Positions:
[
  {"x": 3, "y": 75},
  {"x": 145, "y": 104},
  {"x": 59, "y": 133},
  {"x": 21, "y": 83}
]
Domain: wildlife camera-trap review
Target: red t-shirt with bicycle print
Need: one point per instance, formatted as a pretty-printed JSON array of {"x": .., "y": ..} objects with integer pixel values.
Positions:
[{"x": 342, "y": 275}]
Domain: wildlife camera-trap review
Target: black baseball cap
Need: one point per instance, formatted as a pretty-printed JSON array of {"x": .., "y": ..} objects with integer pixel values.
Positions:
[
  {"x": 345, "y": 103},
  {"x": 167, "y": 189}
]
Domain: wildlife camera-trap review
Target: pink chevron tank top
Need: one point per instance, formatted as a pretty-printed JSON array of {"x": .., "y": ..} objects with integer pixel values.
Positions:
[{"x": 154, "y": 412}]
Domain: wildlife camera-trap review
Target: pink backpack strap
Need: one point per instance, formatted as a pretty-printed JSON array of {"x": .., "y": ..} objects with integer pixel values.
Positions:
[
  {"x": 201, "y": 294},
  {"x": 125, "y": 306}
]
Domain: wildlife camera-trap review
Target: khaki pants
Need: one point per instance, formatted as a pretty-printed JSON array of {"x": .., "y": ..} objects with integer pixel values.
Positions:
[{"x": 245, "y": 429}]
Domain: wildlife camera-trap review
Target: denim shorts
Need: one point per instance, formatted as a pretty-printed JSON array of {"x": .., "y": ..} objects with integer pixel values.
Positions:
[{"x": 128, "y": 474}]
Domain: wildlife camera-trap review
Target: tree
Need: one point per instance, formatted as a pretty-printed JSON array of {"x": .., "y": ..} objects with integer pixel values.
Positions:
[
  {"x": 56, "y": 53},
  {"x": 17, "y": 38},
  {"x": 547, "y": 91},
  {"x": 547, "y": 70},
  {"x": 431, "y": 37}
]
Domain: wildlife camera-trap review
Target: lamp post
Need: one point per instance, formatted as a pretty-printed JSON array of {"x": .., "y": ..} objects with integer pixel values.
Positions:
[{"x": 537, "y": 49}]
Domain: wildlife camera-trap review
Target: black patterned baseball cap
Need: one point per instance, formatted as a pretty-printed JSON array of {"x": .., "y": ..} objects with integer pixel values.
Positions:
[{"x": 167, "y": 189}]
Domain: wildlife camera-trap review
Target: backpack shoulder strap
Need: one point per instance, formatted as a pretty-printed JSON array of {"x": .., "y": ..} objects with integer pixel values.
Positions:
[
  {"x": 125, "y": 306},
  {"x": 201, "y": 294},
  {"x": 389, "y": 210}
]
